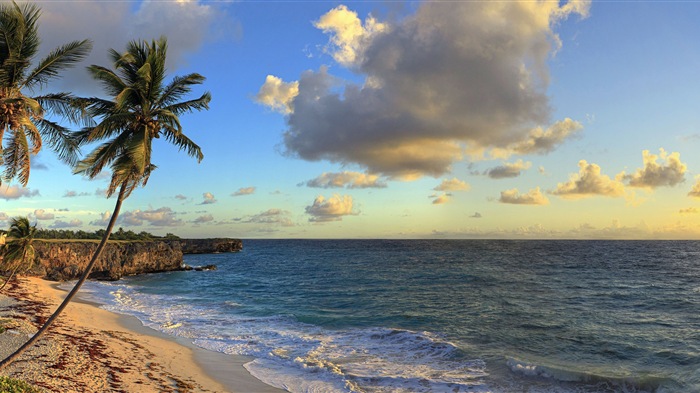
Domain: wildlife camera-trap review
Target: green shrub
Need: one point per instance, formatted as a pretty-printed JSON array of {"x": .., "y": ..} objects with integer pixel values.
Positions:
[{"x": 9, "y": 385}]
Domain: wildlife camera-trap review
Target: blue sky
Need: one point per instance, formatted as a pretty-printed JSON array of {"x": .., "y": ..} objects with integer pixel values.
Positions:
[{"x": 409, "y": 120}]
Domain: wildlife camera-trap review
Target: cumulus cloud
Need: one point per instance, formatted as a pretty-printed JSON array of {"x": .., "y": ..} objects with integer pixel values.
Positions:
[
  {"x": 162, "y": 217},
  {"x": 330, "y": 209},
  {"x": 690, "y": 210},
  {"x": 453, "y": 184},
  {"x": 42, "y": 214},
  {"x": 203, "y": 219},
  {"x": 59, "y": 224},
  {"x": 670, "y": 172},
  {"x": 508, "y": 170},
  {"x": 244, "y": 191},
  {"x": 532, "y": 197},
  {"x": 346, "y": 179},
  {"x": 277, "y": 94},
  {"x": 73, "y": 194},
  {"x": 589, "y": 181},
  {"x": 208, "y": 199},
  {"x": 187, "y": 24},
  {"x": 449, "y": 76},
  {"x": 441, "y": 198},
  {"x": 277, "y": 217},
  {"x": 15, "y": 192},
  {"x": 103, "y": 220}
]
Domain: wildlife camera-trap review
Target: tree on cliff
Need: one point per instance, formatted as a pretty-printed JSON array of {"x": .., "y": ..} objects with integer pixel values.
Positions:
[
  {"x": 142, "y": 109},
  {"x": 21, "y": 116},
  {"x": 18, "y": 253}
]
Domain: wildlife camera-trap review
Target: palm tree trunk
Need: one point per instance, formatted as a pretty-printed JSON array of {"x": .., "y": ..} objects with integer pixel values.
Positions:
[
  {"x": 24, "y": 256},
  {"x": 8, "y": 360}
]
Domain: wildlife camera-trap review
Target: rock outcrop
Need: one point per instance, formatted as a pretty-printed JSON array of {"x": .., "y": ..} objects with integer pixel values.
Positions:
[{"x": 66, "y": 260}]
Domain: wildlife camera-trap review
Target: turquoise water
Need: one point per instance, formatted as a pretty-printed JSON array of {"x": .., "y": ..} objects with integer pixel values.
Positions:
[{"x": 439, "y": 316}]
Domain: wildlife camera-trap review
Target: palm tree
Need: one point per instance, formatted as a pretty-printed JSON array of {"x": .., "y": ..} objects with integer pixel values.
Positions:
[
  {"x": 141, "y": 109},
  {"x": 21, "y": 116},
  {"x": 18, "y": 253}
]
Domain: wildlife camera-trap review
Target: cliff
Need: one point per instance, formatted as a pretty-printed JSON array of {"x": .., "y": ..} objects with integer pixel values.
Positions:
[{"x": 66, "y": 260}]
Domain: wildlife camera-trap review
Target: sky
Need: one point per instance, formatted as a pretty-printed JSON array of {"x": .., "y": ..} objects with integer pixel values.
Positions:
[{"x": 387, "y": 119}]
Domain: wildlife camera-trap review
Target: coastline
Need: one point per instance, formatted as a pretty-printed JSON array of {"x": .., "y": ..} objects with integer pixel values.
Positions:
[{"x": 91, "y": 349}]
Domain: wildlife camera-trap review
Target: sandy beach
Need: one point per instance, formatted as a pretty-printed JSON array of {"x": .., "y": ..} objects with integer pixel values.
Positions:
[{"x": 93, "y": 350}]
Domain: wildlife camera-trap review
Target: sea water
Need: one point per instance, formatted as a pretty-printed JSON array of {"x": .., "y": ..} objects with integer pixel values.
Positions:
[{"x": 438, "y": 316}]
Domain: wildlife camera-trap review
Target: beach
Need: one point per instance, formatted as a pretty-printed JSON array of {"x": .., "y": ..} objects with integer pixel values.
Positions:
[{"x": 93, "y": 350}]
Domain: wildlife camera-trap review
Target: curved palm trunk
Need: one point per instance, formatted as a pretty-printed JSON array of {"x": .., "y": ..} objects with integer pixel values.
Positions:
[
  {"x": 24, "y": 256},
  {"x": 8, "y": 360}
]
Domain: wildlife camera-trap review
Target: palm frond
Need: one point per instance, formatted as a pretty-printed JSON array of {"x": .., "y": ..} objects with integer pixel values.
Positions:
[
  {"x": 178, "y": 87},
  {"x": 198, "y": 104},
  {"x": 16, "y": 158},
  {"x": 61, "y": 140},
  {"x": 182, "y": 142},
  {"x": 59, "y": 59}
]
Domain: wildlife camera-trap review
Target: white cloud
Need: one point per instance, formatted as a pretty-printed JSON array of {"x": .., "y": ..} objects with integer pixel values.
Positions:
[
  {"x": 532, "y": 197},
  {"x": 186, "y": 24},
  {"x": 695, "y": 191},
  {"x": 203, "y": 219},
  {"x": 436, "y": 81},
  {"x": 440, "y": 199},
  {"x": 42, "y": 214},
  {"x": 330, "y": 209},
  {"x": 508, "y": 170},
  {"x": 277, "y": 94},
  {"x": 15, "y": 192},
  {"x": 346, "y": 179},
  {"x": 180, "y": 197},
  {"x": 73, "y": 194},
  {"x": 589, "y": 182},
  {"x": 59, "y": 224},
  {"x": 276, "y": 217},
  {"x": 244, "y": 191},
  {"x": 103, "y": 220},
  {"x": 453, "y": 184},
  {"x": 4, "y": 216},
  {"x": 208, "y": 198},
  {"x": 162, "y": 217},
  {"x": 653, "y": 175}
]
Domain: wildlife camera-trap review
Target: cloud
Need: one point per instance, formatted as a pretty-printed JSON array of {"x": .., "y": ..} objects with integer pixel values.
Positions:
[
  {"x": 15, "y": 192},
  {"x": 346, "y": 179},
  {"x": 208, "y": 199},
  {"x": 508, "y": 170},
  {"x": 331, "y": 209},
  {"x": 669, "y": 173},
  {"x": 695, "y": 191},
  {"x": 453, "y": 184},
  {"x": 244, "y": 191},
  {"x": 533, "y": 197},
  {"x": 468, "y": 74},
  {"x": 187, "y": 24},
  {"x": 162, "y": 217},
  {"x": 41, "y": 214},
  {"x": 73, "y": 194},
  {"x": 277, "y": 94},
  {"x": 690, "y": 210},
  {"x": 103, "y": 220},
  {"x": 589, "y": 182},
  {"x": 203, "y": 219},
  {"x": 271, "y": 217},
  {"x": 59, "y": 224},
  {"x": 475, "y": 215},
  {"x": 4, "y": 216},
  {"x": 180, "y": 197},
  {"x": 440, "y": 199}
]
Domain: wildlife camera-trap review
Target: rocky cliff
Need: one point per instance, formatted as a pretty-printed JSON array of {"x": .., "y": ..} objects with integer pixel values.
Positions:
[{"x": 66, "y": 260}]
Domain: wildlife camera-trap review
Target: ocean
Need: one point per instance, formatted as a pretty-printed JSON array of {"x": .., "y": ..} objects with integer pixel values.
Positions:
[{"x": 438, "y": 315}]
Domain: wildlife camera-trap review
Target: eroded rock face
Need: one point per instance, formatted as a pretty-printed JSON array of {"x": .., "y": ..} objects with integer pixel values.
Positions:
[{"x": 66, "y": 260}]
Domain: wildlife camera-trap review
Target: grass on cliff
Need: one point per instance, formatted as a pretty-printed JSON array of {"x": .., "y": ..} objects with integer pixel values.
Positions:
[{"x": 10, "y": 385}]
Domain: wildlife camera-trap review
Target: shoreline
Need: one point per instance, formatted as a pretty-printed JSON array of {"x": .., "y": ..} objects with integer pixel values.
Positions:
[{"x": 92, "y": 349}]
